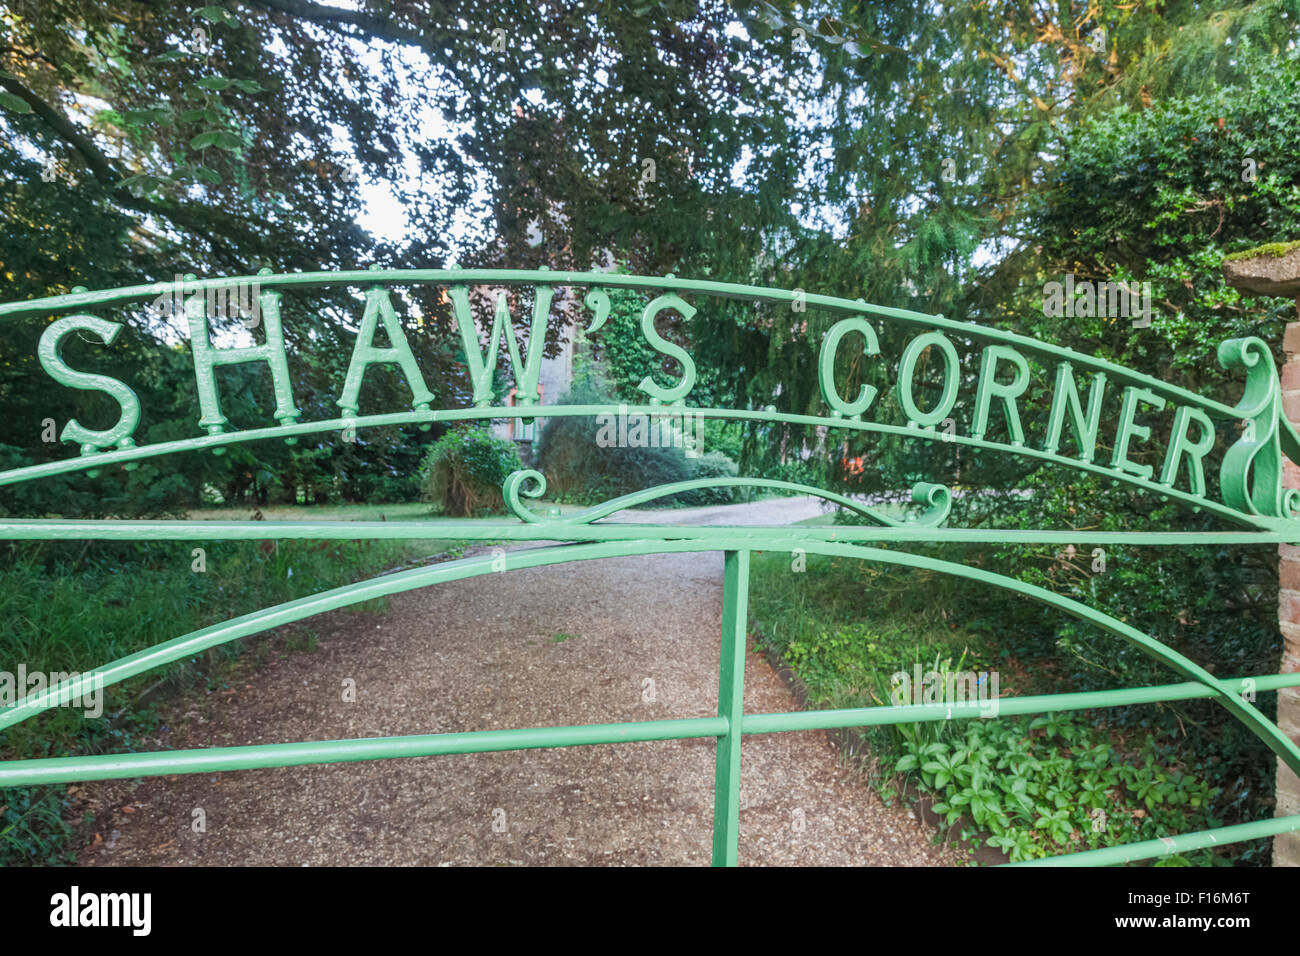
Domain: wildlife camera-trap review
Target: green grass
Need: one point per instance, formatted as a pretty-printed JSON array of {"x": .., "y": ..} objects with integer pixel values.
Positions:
[
  {"x": 844, "y": 625},
  {"x": 73, "y": 607}
]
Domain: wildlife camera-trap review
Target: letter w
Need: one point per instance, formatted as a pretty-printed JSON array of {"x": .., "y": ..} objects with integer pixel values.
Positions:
[{"x": 483, "y": 365}]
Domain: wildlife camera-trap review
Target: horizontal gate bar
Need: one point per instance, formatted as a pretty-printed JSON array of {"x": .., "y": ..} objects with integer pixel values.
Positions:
[
  {"x": 19, "y": 773},
  {"x": 210, "y": 442},
  {"x": 1184, "y": 842},
  {"x": 1006, "y": 706},
  {"x": 560, "y": 530}
]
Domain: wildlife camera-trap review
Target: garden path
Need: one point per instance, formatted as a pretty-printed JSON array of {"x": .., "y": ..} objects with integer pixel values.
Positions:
[{"x": 569, "y": 644}]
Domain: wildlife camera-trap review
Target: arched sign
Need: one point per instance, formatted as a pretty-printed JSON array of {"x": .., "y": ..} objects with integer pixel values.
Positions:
[{"x": 1085, "y": 390}]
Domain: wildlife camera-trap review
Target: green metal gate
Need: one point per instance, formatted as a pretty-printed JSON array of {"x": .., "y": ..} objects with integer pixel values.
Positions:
[{"x": 1251, "y": 501}]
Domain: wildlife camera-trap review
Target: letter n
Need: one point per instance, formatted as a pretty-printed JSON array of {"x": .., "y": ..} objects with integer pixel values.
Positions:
[{"x": 1065, "y": 399}]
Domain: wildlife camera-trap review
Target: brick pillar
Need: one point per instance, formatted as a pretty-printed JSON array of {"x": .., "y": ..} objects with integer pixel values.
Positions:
[
  {"x": 1286, "y": 846},
  {"x": 1275, "y": 271}
]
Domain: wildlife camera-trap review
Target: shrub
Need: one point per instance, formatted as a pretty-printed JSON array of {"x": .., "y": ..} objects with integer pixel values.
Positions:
[
  {"x": 389, "y": 489},
  {"x": 147, "y": 491},
  {"x": 712, "y": 464},
  {"x": 578, "y": 468},
  {"x": 465, "y": 470},
  {"x": 1057, "y": 784}
]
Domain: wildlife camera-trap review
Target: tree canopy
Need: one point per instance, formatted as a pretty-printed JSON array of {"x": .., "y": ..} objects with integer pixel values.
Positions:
[{"x": 946, "y": 158}]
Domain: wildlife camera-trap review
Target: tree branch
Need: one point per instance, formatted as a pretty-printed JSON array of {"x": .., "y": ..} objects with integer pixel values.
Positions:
[
  {"x": 370, "y": 25},
  {"x": 104, "y": 172}
]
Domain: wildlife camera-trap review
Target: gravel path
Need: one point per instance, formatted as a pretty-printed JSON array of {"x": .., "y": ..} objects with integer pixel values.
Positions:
[{"x": 571, "y": 644}]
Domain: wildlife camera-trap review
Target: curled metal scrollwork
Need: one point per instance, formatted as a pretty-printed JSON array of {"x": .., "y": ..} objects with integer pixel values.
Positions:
[{"x": 529, "y": 483}]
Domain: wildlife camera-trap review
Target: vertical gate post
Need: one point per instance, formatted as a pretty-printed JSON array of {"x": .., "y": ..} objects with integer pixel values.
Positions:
[
  {"x": 1275, "y": 271},
  {"x": 731, "y": 705}
]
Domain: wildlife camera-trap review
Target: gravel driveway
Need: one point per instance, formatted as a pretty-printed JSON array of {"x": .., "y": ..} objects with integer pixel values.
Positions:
[{"x": 596, "y": 641}]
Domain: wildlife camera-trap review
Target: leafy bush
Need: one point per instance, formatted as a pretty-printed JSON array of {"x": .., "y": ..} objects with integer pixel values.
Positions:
[
  {"x": 389, "y": 489},
  {"x": 465, "y": 470},
  {"x": 713, "y": 464},
  {"x": 802, "y": 471},
  {"x": 1056, "y": 785},
  {"x": 578, "y": 468},
  {"x": 147, "y": 491}
]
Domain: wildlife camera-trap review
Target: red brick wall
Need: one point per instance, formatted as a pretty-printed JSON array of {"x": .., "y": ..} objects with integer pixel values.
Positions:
[{"x": 1286, "y": 847}]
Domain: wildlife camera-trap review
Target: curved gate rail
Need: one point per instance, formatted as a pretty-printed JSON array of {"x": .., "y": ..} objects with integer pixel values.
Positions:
[{"x": 1251, "y": 498}]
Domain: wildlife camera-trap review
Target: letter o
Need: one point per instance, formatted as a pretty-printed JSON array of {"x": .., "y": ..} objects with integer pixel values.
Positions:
[{"x": 907, "y": 368}]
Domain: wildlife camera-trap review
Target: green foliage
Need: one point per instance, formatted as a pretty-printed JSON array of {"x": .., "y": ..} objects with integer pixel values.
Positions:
[
  {"x": 713, "y": 464},
  {"x": 918, "y": 735},
  {"x": 390, "y": 488},
  {"x": 624, "y": 356},
  {"x": 32, "y": 827},
  {"x": 1161, "y": 195},
  {"x": 1216, "y": 605},
  {"x": 625, "y": 359},
  {"x": 147, "y": 491},
  {"x": 1056, "y": 784},
  {"x": 465, "y": 469},
  {"x": 1030, "y": 788},
  {"x": 581, "y": 465}
]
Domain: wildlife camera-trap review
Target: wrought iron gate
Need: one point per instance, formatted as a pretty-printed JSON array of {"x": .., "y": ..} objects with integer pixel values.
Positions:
[{"x": 1251, "y": 500}]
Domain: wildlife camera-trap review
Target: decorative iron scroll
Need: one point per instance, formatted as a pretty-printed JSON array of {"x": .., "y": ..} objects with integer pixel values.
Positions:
[
  {"x": 1249, "y": 478},
  {"x": 532, "y": 484}
]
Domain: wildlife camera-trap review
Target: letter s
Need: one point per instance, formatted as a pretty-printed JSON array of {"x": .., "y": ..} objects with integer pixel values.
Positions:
[
  {"x": 648, "y": 385},
  {"x": 50, "y": 353}
]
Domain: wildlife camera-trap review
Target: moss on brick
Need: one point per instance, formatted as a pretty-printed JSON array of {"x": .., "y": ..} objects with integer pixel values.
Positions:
[{"x": 1273, "y": 249}]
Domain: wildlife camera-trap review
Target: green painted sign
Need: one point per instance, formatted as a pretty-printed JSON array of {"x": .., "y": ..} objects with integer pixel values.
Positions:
[{"x": 1250, "y": 476}]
